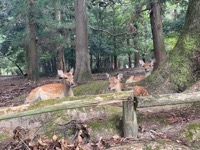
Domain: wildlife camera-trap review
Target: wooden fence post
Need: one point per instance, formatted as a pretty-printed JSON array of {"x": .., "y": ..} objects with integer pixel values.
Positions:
[{"x": 130, "y": 127}]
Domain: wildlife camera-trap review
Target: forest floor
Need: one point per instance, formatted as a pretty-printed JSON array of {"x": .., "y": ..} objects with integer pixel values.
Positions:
[{"x": 13, "y": 90}]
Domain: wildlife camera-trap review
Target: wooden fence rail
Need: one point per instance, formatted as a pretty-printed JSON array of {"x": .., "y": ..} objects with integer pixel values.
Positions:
[{"x": 129, "y": 105}]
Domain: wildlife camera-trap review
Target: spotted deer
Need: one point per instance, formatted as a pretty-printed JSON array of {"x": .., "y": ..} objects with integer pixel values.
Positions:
[
  {"x": 54, "y": 90},
  {"x": 148, "y": 68},
  {"x": 116, "y": 85}
]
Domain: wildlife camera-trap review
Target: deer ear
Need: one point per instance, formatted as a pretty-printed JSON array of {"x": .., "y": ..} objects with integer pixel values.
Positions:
[
  {"x": 141, "y": 62},
  {"x": 120, "y": 76},
  {"x": 72, "y": 70},
  {"x": 152, "y": 62},
  {"x": 107, "y": 75},
  {"x": 60, "y": 73}
]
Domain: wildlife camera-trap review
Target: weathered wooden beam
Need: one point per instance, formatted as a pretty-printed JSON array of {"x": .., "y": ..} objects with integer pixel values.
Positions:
[
  {"x": 168, "y": 99},
  {"x": 61, "y": 104},
  {"x": 96, "y": 100}
]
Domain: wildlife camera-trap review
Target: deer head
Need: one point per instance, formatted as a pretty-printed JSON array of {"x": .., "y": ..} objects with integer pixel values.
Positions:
[
  {"x": 67, "y": 77},
  {"x": 114, "y": 82}
]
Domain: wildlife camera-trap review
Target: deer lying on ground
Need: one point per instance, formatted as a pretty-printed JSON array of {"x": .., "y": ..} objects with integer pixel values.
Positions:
[
  {"x": 116, "y": 85},
  {"x": 148, "y": 67},
  {"x": 54, "y": 90},
  {"x": 115, "y": 82}
]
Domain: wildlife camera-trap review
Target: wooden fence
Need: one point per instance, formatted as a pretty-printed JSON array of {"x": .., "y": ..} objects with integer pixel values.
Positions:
[{"x": 129, "y": 105}]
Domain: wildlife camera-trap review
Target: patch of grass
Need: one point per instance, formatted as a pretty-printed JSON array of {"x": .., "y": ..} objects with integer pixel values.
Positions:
[
  {"x": 92, "y": 88},
  {"x": 191, "y": 132},
  {"x": 158, "y": 118},
  {"x": 3, "y": 136},
  {"x": 149, "y": 147},
  {"x": 113, "y": 123}
]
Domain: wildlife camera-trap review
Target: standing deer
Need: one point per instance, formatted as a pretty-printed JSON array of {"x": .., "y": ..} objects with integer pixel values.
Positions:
[
  {"x": 148, "y": 68},
  {"x": 116, "y": 85},
  {"x": 54, "y": 90}
]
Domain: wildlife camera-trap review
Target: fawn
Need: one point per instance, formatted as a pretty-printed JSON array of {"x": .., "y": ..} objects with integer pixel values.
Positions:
[
  {"x": 116, "y": 85},
  {"x": 148, "y": 67},
  {"x": 54, "y": 90}
]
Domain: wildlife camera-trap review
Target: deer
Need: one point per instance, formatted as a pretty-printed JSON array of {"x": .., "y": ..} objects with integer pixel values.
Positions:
[
  {"x": 115, "y": 82},
  {"x": 116, "y": 85},
  {"x": 54, "y": 90},
  {"x": 148, "y": 68}
]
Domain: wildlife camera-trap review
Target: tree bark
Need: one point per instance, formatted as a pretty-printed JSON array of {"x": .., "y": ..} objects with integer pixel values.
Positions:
[
  {"x": 83, "y": 70},
  {"x": 129, "y": 54},
  {"x": 136, "y": 58},
  {"x": 33, "y": 70},
  {"x": 115, "y": 53},
  {"x": 60, "y": 52},
  {"x": 157, "y": 32},
  {"x": 181, "y": 69},
  {"x": 136, "y": 54}
]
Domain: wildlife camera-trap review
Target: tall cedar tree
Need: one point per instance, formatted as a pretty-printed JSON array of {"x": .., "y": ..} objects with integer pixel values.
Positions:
[
  {"x": 83, "y": 70},
  {"x": 60, "y": 63},
  {"x": 32, "y": 53},
  {"x": 157, "y": 32}
]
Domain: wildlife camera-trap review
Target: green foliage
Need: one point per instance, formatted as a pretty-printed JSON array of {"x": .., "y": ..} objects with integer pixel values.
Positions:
[
  {"x": 51, "y": 34},
  {"x": 108, "y": 30},
  {"x": 173, "y": 21}
]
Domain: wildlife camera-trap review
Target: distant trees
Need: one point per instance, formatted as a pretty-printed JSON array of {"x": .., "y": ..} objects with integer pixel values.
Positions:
[{"x": 116, "y": 34}]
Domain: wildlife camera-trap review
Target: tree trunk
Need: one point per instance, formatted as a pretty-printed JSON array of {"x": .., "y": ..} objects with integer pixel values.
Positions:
[
  {"x": 115, "y": 53},
  {"x": 129, "y": 54},
  {"x": 136, "y": 58},
  {"x": 157, "y": 32},
  {"x": 60, "y": 64},
  {"x": 136, "y": 54},
  {"x": 182, "y": 67},
  {"x": 33, "y": 70},
  {"x": 60, "y": 52},
  {"x": 83, "y": 70}
]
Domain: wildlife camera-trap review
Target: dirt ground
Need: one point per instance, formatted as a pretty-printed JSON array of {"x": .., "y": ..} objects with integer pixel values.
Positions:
[{"x": 13, "y": 90}]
